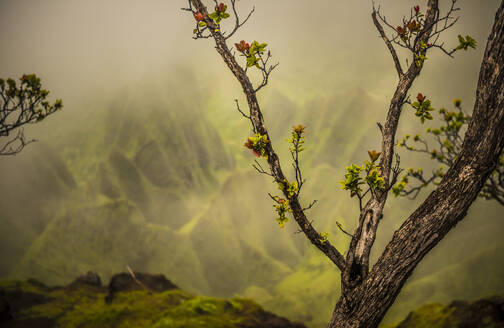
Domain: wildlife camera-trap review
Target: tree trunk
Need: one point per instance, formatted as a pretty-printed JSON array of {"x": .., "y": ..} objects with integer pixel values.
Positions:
[{"x": 366, "y": 304}]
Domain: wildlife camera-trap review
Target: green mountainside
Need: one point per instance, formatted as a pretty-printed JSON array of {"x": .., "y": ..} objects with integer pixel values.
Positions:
[
  {"x": 143, "y": 301},
  {"x": 157, "y": 183},
  {"x": 146, "y": 300}
]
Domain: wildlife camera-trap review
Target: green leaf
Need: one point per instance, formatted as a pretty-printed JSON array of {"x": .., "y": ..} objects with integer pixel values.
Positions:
[{"x": 251, "y": 61}]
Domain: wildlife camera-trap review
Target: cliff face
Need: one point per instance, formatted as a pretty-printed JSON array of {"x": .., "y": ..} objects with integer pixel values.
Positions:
[
  {"x": 147, "y": 300},
  {"x": 142, "y": 300}
]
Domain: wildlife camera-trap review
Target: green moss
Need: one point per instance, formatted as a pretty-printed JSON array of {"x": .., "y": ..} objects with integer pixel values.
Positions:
[
  {"x": 432, "y": 315},
  {"x": 84, "y": 306},
  {"x": 29, "y": 286}
]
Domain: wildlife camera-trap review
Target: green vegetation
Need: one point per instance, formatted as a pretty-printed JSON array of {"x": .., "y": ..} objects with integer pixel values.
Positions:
[
  {"x": 197, "y": 216},
  {"x": 82, "y": 305},
  {"x": 21, "y": 104},
  {"x": 483, "y": 313}
]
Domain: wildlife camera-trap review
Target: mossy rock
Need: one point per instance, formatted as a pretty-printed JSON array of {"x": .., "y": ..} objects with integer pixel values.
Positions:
[
  {"x": 84, "y": 306},
  {"x": 484, "y": 313}
]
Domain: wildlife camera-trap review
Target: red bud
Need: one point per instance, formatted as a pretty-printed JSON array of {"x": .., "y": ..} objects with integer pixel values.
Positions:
[
  {"x": 420, "y": 97},
  {"x": 198, "y": 16},
  {"x": 242, "y": 46},
  {"x": 401, "y": 30}
]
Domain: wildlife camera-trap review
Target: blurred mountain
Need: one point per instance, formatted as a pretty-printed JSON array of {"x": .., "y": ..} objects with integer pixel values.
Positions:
[{"x": 158, "y": 183}]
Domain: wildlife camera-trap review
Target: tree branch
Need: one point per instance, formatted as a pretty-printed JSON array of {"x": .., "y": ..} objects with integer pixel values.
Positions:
[
  {"x": 363, "y": 239},
  {"x": 258, "y": 125},
  {"x": 445, "y": 206},
  {"x": 388, "y": 43}
]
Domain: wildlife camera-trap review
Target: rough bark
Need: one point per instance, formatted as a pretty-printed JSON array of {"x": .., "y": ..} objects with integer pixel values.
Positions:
[
  {"x": 366, "y": 296},
  {"x": 445, "y": 206},
  {"x": 357, "y": 258}
]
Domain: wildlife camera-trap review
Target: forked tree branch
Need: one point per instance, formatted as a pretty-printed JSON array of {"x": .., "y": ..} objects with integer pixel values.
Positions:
[
  {"x": 16, "y": 144},
  {"x": 446, "y": 205},
  {"x": 238, "y": 23},
  {"x": 363, "y": 239}
]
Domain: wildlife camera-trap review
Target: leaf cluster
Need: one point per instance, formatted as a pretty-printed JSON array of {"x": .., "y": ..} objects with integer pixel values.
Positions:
[
  {"x": 217, "y": 16},
  {"x": 372, "y": 178},
  {"x": 253, "y": 52},
  {"x": 466, "y": 43},
  {"x": 290, "y": 188},
  {"x": 412, "y": 26},
  {"x": 448, "y": 138},
  {"x": 24, "y": 102},
  {"x": 324, "y": 237},
  {"x": 219, "y": 13},
  {"x": 297, "y": 138},
  {"x": 257, "y": 144},
  {"x": 423, "y": 108},
  {"x": 420, "y": 56},
  {"x": 282, "y": 208}
]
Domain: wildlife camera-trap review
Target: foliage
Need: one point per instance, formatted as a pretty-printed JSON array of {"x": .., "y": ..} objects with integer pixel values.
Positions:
[
  {"x": 414, "y": 35},
  {"x": 373, "y": 179},
  {"x": 420, "y": 54},
  {"x": 466, "y": 43},
  {"x": 257, "y": 144},
  {"x": 297, "y": 139},
  {"x": 219, "y": 13},
  {"x": 323, "y": 237},
  {"x": 352, "y": 180},
  {"x": 253, "y": 52},
  {"x": 85, "y": 306},
  {"x": 20, "y": 104},
  {"x": 409, "y": 32},
  {"x": 217, "y": 16},
  {"x": 422, "y": 107},
  {"x": 282, "y": 208},
  {"x": 448, "y": 138}
]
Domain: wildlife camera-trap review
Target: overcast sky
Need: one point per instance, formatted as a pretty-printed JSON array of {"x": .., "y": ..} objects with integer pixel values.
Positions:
[{"x": 85, "y": 48}]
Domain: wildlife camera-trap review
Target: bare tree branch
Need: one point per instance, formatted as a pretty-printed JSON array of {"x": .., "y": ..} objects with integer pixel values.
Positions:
[
  {"x": 388, "y": 43},
  {"x": 238, "y": 24}
]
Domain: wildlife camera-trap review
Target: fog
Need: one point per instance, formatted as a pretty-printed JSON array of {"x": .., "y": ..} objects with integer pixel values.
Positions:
[
  {"x": 78, "y": 47},
  {"x": 129, "y": 71}
]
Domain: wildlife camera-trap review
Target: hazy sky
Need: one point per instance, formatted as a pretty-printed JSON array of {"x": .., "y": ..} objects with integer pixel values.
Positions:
[
  {"x": 90, "y": 52},
  {"x": 78, "y": 46}
]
